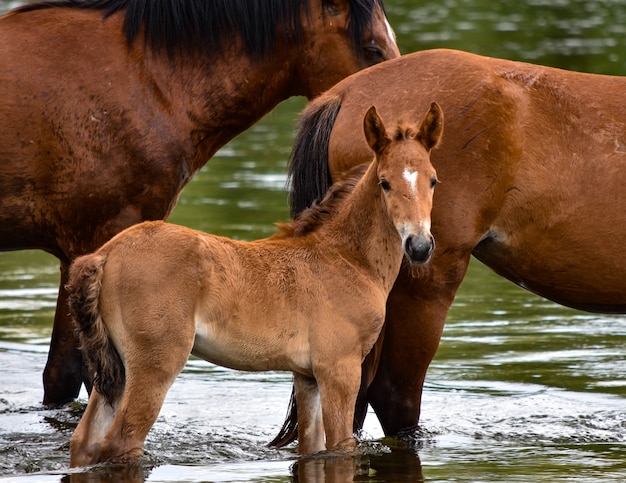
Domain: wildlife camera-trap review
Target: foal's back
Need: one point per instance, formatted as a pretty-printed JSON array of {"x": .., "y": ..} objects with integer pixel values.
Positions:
[{"x": 249, "y": 305}]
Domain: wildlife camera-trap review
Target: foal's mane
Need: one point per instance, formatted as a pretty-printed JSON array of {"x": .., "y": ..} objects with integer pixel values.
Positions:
[
  {"x": 315, "y": 216},
  {"x": 206, "y": 25}
]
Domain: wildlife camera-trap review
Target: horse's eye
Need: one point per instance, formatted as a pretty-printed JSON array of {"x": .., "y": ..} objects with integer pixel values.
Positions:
[
  {"x": 384, "y": 184},
  {"x": 433, "y": 181},
  {"x": 373, "y": 54}
]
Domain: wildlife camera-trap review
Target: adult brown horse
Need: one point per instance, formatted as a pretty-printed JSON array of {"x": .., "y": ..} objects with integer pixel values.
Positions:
[
  {"x": 532, "y": 170},
  {"x": 109, "y": 107},
  {"x": 310, "y": 299}
]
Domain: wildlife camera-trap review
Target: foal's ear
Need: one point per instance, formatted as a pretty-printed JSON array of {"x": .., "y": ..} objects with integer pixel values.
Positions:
[
  {"x": 432, "y": 127},
  {"x": 375, "y": 132}
]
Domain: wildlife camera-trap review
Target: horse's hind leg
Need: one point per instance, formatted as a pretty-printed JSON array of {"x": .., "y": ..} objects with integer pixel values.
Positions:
[
  {"x": 310, "y": 423},
  {"x": 87, "y": 438},
  {"x": 151, "y": 368}
]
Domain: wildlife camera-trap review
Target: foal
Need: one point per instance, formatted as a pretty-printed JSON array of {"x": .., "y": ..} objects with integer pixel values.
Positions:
[{"x": 311, "y": 300}]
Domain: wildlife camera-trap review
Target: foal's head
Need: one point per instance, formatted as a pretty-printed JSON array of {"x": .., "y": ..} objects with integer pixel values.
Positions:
[{"x": 407, "y": 177}]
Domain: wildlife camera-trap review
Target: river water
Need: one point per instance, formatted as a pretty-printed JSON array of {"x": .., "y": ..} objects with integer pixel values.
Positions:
[{"x": 521, "y": 390}]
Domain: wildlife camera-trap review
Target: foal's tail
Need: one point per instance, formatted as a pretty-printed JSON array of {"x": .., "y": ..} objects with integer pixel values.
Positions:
[
  {"x": 103, "y": 361},
  {"x": 309, "y": 173}
]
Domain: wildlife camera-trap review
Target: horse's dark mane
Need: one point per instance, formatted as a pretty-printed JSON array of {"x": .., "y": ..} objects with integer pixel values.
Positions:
[
  {"x": 205, "y": 25},
  {"x": 315, "y": 216}
]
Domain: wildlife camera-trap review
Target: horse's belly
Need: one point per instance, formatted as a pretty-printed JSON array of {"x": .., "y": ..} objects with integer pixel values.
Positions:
[
  {"x": 587, "y": 276},
  {"x": 251, "y": 349}
]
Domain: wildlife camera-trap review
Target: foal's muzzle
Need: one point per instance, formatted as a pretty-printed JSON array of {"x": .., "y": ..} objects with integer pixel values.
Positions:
[{"x": 418, "y": 249}]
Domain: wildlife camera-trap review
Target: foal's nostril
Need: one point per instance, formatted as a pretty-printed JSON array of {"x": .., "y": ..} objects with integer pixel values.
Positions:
[{"x": 419, "y": 248}]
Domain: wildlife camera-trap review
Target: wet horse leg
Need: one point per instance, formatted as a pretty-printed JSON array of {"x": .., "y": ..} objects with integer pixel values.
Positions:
[
  {"x": 64, "y": 371},
  {"x": 310, "y": 423},
  {"x": 88, "y": 436},
  {"x": 339, "y": 386},
  {"x": 148, "y": 380},
  {"x": 416, "y": 311}
]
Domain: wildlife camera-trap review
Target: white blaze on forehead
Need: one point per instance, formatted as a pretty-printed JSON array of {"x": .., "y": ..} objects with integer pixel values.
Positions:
[
  {"x": 390, "y": 32},
  {"x": 411, "y": 178}
]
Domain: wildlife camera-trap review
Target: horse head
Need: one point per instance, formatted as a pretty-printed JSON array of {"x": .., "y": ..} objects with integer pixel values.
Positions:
[
  {"x": 358, "y": 34},
  {"x": 406, "y": 176}
]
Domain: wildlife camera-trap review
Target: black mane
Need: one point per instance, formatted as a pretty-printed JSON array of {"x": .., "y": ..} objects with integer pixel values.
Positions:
[{"x": 204, "y": 25}]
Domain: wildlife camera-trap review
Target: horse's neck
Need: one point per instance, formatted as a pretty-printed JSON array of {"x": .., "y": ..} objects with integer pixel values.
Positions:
[
  {"x": 222, "y": 97},
  {"x": 362, "y": 226}
]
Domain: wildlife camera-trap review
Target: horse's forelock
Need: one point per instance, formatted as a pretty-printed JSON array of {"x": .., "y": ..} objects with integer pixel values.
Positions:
[
  {"x": 405, "y": 132},
  {"x": 361, "y": 17}
]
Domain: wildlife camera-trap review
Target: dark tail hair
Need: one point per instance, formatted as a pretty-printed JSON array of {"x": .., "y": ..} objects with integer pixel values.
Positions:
[
  {"x": 309, "y": 174},
  {"x": 289, "y": 431},
  {"x": 103, "y": 362}
]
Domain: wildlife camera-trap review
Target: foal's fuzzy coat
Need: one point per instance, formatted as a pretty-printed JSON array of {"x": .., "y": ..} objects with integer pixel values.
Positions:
[{"x": 310, "y": 300}]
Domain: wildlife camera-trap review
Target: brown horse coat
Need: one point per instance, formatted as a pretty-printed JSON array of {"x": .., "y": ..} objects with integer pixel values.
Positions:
[
  {"x": 107, "y": 110},
  {"x": 310, "y": 300},
  {"x": 532, "y": 170}
]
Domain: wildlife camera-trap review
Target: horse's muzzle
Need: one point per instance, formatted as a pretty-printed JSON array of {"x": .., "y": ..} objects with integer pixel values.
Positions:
[{"x": 418, "y": 249}]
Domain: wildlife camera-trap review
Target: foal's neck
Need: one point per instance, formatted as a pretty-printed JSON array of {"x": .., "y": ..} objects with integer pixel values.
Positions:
[{"x": 364, "y": 230}]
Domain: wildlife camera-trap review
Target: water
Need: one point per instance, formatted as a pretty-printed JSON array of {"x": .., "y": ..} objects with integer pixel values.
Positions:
[{"x": 521, "y": 388}]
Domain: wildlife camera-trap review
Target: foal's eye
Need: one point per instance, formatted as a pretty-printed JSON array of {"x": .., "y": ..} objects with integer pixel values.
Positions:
[
  {"x": 433, "y": 181},
  {"x": 384, "y": 184}
]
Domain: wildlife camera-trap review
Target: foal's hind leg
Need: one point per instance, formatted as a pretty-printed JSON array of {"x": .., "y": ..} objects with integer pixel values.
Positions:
[
  {"x": 87, "y": 438},
  {"x": 153, "y": 359},
  {"x": 149, "y": 375},
  {"x": 310, "y": 423}
]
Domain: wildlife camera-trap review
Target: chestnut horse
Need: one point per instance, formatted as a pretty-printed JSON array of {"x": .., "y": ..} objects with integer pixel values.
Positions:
[
  {"x": 311, "y": 299},
  {"x": 532, "y": 169},
  {"x": 109, "y": 107}
]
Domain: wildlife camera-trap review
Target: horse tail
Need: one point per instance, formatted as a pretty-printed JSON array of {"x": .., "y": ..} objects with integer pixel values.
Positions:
[
  {"x": 289, "y": 431},
  {"x": 103, "y": 361},
  {"x": 309, "y": 172}
]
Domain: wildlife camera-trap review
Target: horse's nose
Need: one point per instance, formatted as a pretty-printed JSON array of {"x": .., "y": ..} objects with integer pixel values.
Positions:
[{"x": 419, "y": 248}]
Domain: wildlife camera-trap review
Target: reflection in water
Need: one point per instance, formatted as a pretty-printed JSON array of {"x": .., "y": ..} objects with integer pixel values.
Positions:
[
  {"x": 393, "y": 461},
  {"x": 109, "y": 474}
]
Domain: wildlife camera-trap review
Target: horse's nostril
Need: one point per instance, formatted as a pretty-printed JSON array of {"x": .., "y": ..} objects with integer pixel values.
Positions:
[{"x": 419, "y": 248}]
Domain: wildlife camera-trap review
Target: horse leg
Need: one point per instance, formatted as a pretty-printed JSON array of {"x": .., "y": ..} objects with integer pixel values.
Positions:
[
  {"x": 63, "y": 374},
  {"x": 310, "y": 423},
  {"x": 152, "y": 362},
  {"x": 416, "y": 311},
  {"x": 368, "y": 371},
  {"x": 88, "y": 436},
  {"x": 339, "y": 386}
]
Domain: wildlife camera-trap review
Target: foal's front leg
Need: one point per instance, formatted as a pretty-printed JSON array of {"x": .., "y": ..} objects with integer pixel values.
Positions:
[{"x": 339, "y": 385}]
